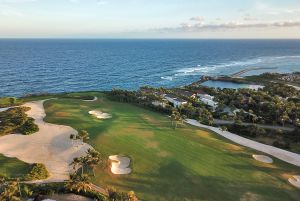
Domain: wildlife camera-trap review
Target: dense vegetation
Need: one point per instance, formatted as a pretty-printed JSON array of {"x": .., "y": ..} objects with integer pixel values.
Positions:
[
  {"x": 15, "y": 120},
  {"x": 271, "y": 105}
]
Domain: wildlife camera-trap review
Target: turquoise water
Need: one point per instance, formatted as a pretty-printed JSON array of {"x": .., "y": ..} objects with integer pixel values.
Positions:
[{"x": 229, "y": 85}]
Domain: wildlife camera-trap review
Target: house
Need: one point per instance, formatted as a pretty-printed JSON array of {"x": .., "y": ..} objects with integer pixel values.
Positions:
[
  {"x": 177, "y": 102},
  {"x": 159, "y": 103},
  {"x": 207, "y": 99},
  {"x": 209, "y": 102}
]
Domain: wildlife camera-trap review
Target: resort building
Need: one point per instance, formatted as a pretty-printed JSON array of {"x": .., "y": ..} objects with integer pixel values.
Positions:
[
  {"x": 207, "y": 99},
  {"x": 159, "y": 103},
  {"x": 177, "y": 102}
]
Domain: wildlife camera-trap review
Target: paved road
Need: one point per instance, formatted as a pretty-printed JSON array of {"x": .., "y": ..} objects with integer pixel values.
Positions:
[
  {"x": 226, "y": 122},
  {"x": 281, "y": 154}
]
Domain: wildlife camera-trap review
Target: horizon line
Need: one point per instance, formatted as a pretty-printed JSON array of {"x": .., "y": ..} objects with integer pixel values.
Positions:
[{"x": 96, "y": 38}]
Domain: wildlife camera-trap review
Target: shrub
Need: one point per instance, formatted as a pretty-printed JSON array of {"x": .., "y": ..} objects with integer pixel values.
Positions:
[
  {"x": 28, "y": 127},
  {"x": 38, "y": 172},
  {"x": 15, "y": 120},
  {"x": 281, "y": 144}
]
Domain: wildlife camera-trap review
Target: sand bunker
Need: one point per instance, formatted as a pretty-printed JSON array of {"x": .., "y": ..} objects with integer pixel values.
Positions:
[
  {"x": 95, "y": 99},
  {"x": 51, "y": 145},
  {"x": 295, "y": 181},
  {"x": 263, "y": 158},
  {"x": 100, "y": 115},
  {"x": 120, "y": 164}
]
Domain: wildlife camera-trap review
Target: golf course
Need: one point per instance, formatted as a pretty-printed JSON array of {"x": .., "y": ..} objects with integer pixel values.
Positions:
[
  {"x": 168, "y": 163},
  {"x": 185, "y": 163}
]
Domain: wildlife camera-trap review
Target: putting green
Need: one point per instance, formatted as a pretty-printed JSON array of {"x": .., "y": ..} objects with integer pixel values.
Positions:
[{"x": 172, "y": 164}]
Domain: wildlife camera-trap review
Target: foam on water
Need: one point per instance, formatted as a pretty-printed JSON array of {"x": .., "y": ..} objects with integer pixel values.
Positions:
[{"x": 212, "y": 69}]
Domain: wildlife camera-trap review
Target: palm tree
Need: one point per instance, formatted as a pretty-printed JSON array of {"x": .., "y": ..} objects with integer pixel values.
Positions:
[
  {"x": 83, "y": 135},
  {"x": 78, "y": 162},
  {"x": 93, "y": 158},
  {"x": 79, "y": 183},
  {"x": 10, "y": 192},
  {"x": 175, "y": 117}
]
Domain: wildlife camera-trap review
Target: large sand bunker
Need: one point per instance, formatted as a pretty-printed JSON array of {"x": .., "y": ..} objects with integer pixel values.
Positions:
[
  {"x": 120, "y": 164},
  {"x": 263, "y": 158},
  {"x": 51, "y": 145},
  {"x": 100, "y": 115},
  {"x": 295, "y": 181}
]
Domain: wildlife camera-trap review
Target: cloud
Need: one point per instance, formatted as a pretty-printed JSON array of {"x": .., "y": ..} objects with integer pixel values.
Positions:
[
  {"x": 199, "y": 27},
  {"x": 248, "y": 17},
  {"x": 197, "y": 19}
]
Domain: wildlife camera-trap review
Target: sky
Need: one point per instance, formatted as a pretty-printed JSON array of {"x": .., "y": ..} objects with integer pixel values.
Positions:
[{"x": 150, "y": 19}]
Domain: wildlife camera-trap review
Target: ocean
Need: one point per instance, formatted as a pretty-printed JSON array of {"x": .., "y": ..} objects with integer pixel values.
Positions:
[{"x": 60, "y": 65}]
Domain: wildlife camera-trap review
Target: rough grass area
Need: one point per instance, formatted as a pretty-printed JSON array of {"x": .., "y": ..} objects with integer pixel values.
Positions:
[
  {"x": 9, "y": 101},
  {"x": 173, "y": 164}
]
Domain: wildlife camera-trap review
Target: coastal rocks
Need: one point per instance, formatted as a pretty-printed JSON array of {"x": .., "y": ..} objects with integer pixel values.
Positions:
[
  {"x": 100, "y": 115},
  {"x": 120, "y": 164},
  {"x": 263, "y": 158}
]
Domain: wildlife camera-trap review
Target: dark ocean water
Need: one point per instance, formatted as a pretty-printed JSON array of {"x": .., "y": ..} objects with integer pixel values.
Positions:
[{"x": 37, "y": 66}]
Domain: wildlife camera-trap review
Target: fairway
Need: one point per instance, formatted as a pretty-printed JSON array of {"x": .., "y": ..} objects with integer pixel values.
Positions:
[
  {"x": 12, "y": 167},
  {"x": 172, "y": 164}
]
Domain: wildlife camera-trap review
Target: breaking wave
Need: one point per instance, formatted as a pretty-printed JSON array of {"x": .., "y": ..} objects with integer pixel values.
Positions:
[{"x": 215, "y": 69}]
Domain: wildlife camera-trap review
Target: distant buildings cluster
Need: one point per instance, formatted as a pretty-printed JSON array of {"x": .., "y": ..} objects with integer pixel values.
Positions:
[{"x": 176, "y": 101}]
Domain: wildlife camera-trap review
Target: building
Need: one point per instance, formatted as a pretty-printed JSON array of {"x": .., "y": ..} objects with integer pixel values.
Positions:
[
  {"x": 207, "y": 99},
  {"x": 210, "y": 103},
  {"x": 177, "y": 102},
  {"x": 159, "y": 103}
]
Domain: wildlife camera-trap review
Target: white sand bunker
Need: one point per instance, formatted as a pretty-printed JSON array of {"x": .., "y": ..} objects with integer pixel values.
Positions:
[
  {"x": 120, "y": 164},
  {"x": 51, "y": 145},
  {"x": 95, "y": 99},
  {"x": 295, "y": 181},
  {"x": 100, "y": 115},
  {"x": 263, "y": 158}
]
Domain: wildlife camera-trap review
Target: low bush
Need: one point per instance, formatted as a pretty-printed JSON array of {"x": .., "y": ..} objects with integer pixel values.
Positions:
[
  {"x": 28, "y": 127},
  {"x": 281, "y": 144},
  {"x": 38, "y": 172}
]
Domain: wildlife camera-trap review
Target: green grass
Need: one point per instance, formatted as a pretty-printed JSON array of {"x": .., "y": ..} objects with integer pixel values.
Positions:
[
  {"x": 173, "y": 164},
  {"x": 12, "y": 167}
]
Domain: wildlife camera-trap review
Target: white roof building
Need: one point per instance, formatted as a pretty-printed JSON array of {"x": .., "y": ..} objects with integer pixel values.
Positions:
[
  {"x": 208, "y": 100},
  {"x": 177, "y": 102}
]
